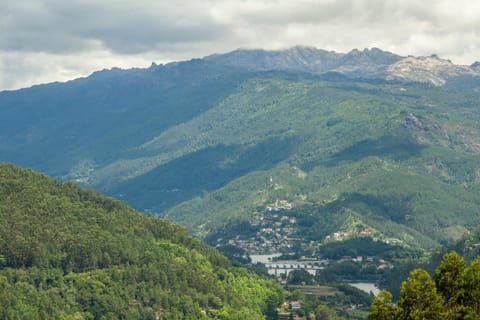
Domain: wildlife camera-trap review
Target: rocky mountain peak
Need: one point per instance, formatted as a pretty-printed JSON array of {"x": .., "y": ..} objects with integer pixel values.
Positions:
[
  {"x": 368, "y": 63},
  {"x": 431, "y": 69}
]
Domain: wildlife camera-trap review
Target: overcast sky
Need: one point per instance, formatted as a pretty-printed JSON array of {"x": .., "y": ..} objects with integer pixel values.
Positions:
[{"x": 57, "y": 40}]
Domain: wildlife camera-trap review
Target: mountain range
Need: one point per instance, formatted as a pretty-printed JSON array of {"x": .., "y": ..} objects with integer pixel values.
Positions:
[{"x": 387, "y": 141}]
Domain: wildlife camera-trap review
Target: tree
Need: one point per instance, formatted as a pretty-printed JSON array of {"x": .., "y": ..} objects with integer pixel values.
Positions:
[
  {"x": 271, "y": 309},
  {"x": 300, "y": 276},
  {"x": 456, "y": 286},
  {"x": 419, "y": 298},
  {"x": 382, "y": 307},
  {"x": 322, "y": 312},
  {"x": 470, "y": 288},
  {"x": 448, "y": 281}
]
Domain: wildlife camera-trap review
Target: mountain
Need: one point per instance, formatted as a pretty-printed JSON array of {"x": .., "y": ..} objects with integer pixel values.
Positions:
[
  {"x": 429, "y": 70},
  {"x": 70, "y": 253},
  {"x": 366, "y": 63},
  {"x": 218, "y": 141},
  {"x": 399, "y": 156},
  {"x": 369, "y": 64},
  {"x": 58, "y": 126}
]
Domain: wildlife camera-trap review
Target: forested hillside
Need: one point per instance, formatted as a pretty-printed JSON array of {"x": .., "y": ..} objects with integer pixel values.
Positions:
[
  {"x": 401, "y": 158},
  {"x": 217, "y": 141},
  {"x": 69, "y": 253}
]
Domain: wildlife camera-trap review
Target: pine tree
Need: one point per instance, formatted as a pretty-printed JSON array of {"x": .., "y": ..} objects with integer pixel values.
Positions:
[
  {"x": 470, "y": 283},
  {"x": 419, "y": 298},
  {"x": 382, "y": 307},
  {"x": 448, "y": 282}
]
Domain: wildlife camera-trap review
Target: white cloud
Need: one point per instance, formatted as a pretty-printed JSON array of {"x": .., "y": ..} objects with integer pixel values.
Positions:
[
  {"x": 47, "y": 40},
  {"x": 30, "y": 68}
]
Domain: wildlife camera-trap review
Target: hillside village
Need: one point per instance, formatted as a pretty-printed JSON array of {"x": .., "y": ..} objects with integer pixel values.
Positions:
[
  {"x": 277, "y": 231},
  {"x": 278, "y": 239}
]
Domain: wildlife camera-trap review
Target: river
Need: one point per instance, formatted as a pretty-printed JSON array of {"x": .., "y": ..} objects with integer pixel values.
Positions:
[{"x": 365, "y": 286}]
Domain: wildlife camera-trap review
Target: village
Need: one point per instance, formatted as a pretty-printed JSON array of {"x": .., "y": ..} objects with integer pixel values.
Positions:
[
  {"x": 278, "y": 243},
  {"x": 277, "y": 231}
]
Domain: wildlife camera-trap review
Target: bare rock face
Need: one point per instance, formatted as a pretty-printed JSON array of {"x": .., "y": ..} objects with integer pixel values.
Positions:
[
  {"x": 430, "y": 69},
  {"x": 412, "y": 121},
  {"x": 299, "y": 58},
  {"x": 367, "y": 63},
  {"x": 371, "y": 63}
]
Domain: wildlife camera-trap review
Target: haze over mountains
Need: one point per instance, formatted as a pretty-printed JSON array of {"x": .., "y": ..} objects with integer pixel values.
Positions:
[{"x": 388, "y": 140}]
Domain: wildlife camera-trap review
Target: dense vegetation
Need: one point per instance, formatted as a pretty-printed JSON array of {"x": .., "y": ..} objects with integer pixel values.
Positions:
[
  {"x": 369, "y": 152},
  {"x": 453, "y": 293},
  {"x": 468, "y": 247},
  {"x": 366, "y": 247},
  {"x": 204, "y": 144},
  {"x": 69, "y": 253}
]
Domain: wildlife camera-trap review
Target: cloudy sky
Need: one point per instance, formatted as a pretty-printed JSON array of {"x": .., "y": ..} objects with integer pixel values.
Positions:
[{"x": 56, "y": 40}]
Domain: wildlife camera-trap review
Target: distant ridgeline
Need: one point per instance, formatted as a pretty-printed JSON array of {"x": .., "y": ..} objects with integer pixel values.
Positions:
[
  {"x": 69, "y": 253},
  {"x": 366, "y": 138}
]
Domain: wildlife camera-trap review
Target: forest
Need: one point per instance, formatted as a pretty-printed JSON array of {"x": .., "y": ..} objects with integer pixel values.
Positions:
[{"x": 70, "y": 253}]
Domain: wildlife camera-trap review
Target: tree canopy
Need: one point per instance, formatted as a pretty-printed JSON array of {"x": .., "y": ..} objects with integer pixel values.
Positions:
[
  {"x": 453, "y": 293},
  {"x": 69, "y": 253}
]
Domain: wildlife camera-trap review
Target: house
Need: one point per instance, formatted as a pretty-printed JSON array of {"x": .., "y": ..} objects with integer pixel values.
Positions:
[{"x": 295, "y": 305}]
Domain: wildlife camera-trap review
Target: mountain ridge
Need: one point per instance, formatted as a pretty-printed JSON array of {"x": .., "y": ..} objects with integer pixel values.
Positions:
[
  {"x": 370, "y": 63},
  {"x": 203, "y": 134},
  {"x": 367, "y": 63}
]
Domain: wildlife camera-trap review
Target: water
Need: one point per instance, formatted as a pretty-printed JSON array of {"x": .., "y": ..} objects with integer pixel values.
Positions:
[{"x": 366, "y": 287}]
